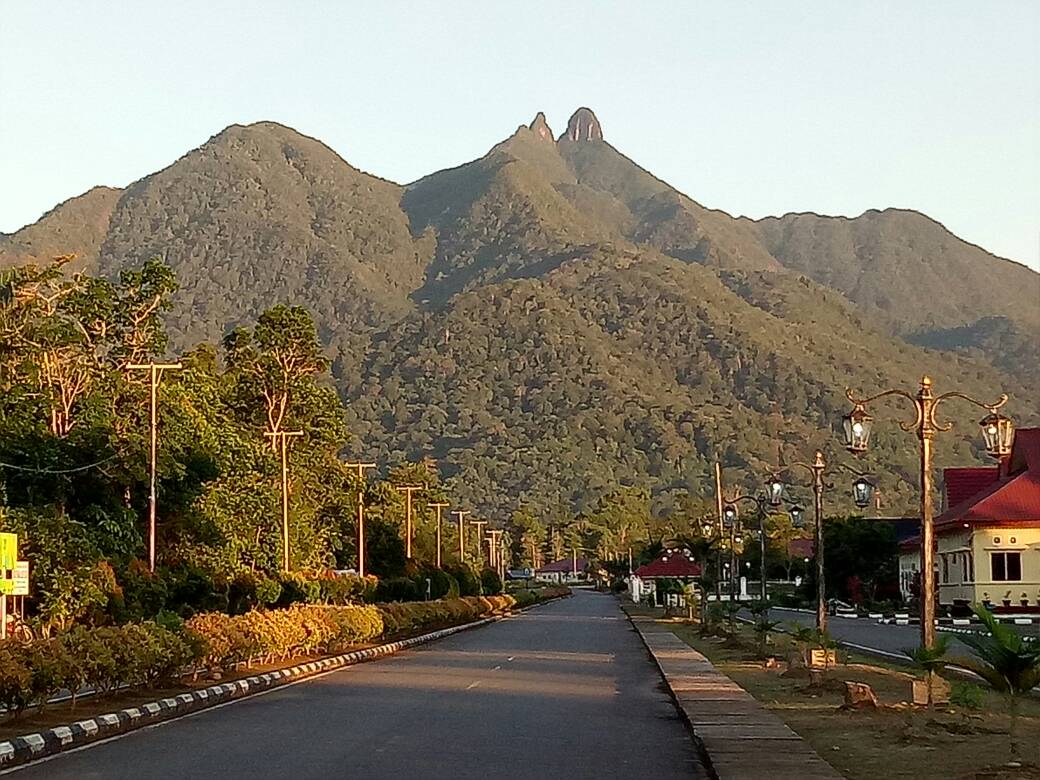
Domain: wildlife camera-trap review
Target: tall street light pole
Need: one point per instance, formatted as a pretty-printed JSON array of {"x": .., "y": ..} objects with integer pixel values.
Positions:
[
  {"x": 439, "y": 505},
  {"x": 862, "y": 491},
  {"x": 408, "y": 490},
  {"x": 461, "y": 514},
  {"x": 997, "y": 432},
  {"x": 361, "y": 513},
  {"x": 480, "y": 529},
  {"x": 155, "y": 372},
  {"x": 731, "y": 512},
  {"x": 718, "y": 513},
  {"x": 281, "y": 440}
]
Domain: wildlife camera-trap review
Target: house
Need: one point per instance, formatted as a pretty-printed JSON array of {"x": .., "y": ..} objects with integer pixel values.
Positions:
[
  {"x": 565, "y": 570},
  {"x": 672, "y": 564},
  {"x": 988, "y": 536}
]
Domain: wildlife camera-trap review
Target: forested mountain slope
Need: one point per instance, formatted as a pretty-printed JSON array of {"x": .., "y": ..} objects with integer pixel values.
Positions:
[{"x": 551, "y": 320}]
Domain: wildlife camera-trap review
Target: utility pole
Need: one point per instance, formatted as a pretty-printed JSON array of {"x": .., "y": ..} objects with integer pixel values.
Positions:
[
  {"x": 497, "y": 558},
  {"x": 408, "y": 490},
  {"x": 461, "y": 513},
  {"x": 721, "y": 529},
  {"x": 480, "y": 527},
  {"x": 155, "y": 371},
  {"x": 281, "y": 440},
  {"x": 574, "y": 562},
  {"x": 439, "y": 506},
  {"x": 360, "y": 513}
]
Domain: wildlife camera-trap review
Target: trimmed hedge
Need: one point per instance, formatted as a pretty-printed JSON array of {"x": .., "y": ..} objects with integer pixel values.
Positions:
[{"x": 148, "y": 654}]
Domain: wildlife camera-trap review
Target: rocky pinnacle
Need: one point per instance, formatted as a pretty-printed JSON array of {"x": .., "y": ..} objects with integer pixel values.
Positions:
[
  {"x": 540, "y": 127},
  {"x": 583, "y": 126}
]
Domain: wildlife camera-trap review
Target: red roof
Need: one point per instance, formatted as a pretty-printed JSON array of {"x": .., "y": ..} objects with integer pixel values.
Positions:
[
  {"x": 564, "y": 565},
  {"x": 801, "y": 548},
  {"x": 963, "y": 483},
  {"x": 1012, "y": 499},
  {"x": 670, "y": 564}
]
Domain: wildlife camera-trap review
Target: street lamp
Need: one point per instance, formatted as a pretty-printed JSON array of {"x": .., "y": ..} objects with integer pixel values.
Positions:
[
  {"x": 730, "y": 511},
  {"x": 816, "y": 470},
  {"x": 862, "y": 492},
  {"x": 997, "y": 433},
  {"x": 796, "y": 511}
]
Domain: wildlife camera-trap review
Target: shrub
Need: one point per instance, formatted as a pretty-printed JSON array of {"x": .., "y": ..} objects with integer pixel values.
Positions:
[
  {"x": 442, "y": 584},
  {"x": 396, "y": 589},
  {"x": 15, "y": 677},
  {"x": 296, "y": 589},
  {"x": 490, "y": 581},
  {"x": 468, "y": 582}
]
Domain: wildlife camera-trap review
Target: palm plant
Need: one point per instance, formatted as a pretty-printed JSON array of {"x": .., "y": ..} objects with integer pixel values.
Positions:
[
  {"x": 1008, "y": 663},
  {"x": 931, "y": 660}
]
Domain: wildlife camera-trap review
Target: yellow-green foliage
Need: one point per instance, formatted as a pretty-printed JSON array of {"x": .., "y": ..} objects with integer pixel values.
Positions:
[{"x": 147, "y": 654}]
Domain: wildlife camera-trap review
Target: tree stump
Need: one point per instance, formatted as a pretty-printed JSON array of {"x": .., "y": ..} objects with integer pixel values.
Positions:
[{"x": 859, "y": 696}]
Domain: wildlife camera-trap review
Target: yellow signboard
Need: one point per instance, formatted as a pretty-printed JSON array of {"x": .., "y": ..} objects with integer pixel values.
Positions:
[{"x": 8, "y": 551}]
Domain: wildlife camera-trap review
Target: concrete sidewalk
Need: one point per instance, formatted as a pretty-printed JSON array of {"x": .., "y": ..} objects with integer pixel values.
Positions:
[{"x": 742, "y": 739}]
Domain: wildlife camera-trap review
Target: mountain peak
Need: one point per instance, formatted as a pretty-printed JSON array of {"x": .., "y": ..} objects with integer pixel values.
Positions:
[
  {"x": 583, "y": 126},
  {"x": 540, "y": 127}
]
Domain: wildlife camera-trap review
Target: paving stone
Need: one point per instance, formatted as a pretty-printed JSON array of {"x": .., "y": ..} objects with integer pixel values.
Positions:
[{"x": 743, "y": 740}]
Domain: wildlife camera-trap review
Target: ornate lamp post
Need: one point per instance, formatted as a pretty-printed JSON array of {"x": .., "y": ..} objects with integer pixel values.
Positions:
[
  {"x": 862, "y": 490},
  {"x": 730, "y": 512},
  {"x": 997, "y": 432}
]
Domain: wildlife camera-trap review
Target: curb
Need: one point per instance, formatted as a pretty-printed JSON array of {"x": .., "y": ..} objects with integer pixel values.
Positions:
[
  {"x": 733, "y": 743},
  {"x": 30, "y": 747}
]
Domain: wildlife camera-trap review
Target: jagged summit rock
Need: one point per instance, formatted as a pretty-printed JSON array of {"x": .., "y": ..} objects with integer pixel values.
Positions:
[
  {"x": 583, "y": 126},
  {"x": 540, "y": 127}
]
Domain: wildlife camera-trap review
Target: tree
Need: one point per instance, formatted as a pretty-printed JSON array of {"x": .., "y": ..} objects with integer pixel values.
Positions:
[
  {"x": 1009, "y": 664},
  {"x": 276, "y": 360},
  {"x": 931, "y": 660}
]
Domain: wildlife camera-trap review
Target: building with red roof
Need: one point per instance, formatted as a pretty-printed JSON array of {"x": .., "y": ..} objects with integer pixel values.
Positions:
[
  {"x": 672, "y": 564},
  {"x": 572, "y": 569},
  {"x": 988, "y": 535}
]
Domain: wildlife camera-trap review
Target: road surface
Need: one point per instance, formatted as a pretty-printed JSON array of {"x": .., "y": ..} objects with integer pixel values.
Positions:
[
  {"x": 565, "y": 690},
  {"x": 887, "y": 638}
]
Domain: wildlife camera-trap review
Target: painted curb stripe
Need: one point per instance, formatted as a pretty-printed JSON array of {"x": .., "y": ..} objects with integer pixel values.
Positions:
[{"x": 28, "y": 747}]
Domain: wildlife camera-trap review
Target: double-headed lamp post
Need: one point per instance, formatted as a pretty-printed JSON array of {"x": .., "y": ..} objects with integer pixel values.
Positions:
[
  {"x": 862, "y": 492},
  {"x": 997, "y": 432},
  {"x": 730, "y": 513}
]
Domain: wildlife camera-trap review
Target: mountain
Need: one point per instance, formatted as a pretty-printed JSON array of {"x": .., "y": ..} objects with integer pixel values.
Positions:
[
  {"x": 78, "y": 226},
  {"x": 550, "y": 320}
]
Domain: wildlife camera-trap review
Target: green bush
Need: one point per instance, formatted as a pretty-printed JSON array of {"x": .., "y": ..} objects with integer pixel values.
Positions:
[
  {"x": 468, "y": 582},
  {"x": 155, "y": 653},
  {"x": 397, "y": 589},
  {"x": 490, "y": 582},
  {"x": 298, "y": 589}
]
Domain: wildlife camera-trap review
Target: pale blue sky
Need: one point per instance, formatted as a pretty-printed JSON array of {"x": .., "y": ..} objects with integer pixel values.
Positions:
[{"x": 756, "y": 108}]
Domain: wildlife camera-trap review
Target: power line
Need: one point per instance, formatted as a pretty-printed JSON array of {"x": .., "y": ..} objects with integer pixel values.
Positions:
[{"x": 58, "y": 471}]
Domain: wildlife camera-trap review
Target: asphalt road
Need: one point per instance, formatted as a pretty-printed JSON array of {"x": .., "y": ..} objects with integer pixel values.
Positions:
[
  {"x": 878, "y": 636},
  {"x": 565, "y": 690}
]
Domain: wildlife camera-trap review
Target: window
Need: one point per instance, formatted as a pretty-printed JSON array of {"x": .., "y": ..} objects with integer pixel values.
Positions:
[
  {"x": 1006, "y": 566},
  {"x": 945, "y": 559},
  {"x": 967, "y": 575},
  {"x": 971, "y": 567}
]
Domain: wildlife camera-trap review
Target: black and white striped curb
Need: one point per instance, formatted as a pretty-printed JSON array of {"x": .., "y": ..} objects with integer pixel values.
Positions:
[{"x": 30, "y": 747}]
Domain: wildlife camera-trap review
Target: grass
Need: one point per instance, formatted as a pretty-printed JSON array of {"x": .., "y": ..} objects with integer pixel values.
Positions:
[{"x": 896, "y": 741}]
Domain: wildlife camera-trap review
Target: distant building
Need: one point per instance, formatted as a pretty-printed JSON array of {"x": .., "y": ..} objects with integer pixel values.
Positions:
[
  {"x": 988, "y": 536},
  {"x": 566, "y": 570},
  {"x": 672, "y": 564}
]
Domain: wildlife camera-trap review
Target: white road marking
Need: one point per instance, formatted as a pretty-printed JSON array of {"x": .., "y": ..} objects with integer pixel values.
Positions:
[{"x": 473, "y": 685}]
